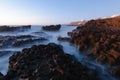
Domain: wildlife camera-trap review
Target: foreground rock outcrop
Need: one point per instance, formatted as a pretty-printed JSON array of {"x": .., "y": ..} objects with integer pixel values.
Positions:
[
  {"x": 100, "y": 39},
  {"x": 46, "y": 62},
  {"x": 52, "y": 27}
]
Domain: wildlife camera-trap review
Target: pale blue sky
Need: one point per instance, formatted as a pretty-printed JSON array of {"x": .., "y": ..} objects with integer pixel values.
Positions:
[{"x": 55, "y": 11}]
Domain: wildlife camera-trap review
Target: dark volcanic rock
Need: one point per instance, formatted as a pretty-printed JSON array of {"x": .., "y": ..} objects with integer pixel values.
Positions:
[
  {"x": 46, "y": 62},
  {"x": 8, "y": 28},
  {"x": 51, "y": 27},
  {"x": 63, "y": 38}
]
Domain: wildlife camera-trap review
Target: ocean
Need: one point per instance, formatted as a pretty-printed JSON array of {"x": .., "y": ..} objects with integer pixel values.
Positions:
[{"x": 36, "y": 36}]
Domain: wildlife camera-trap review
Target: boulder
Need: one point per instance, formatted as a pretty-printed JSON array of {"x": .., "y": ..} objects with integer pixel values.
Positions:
[{"x": 51, "y": 27}]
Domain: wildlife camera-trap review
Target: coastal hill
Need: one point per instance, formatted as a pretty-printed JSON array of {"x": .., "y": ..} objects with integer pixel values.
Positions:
[
  {"x": 77, "y": 23},
  {"x": 110, "y": 20}
]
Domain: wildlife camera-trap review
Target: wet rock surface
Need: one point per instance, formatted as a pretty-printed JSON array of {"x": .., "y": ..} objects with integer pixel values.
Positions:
[
  {"x": 47, "y": 62},
  {"x": 52, "y": 27},
  {"x": 102, "y": 39}
]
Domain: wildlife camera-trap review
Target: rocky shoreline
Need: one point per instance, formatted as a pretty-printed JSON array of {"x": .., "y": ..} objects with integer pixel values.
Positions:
[
  {"x": 100, "y": 40},
  {"x": 46, "y": 62},
  {"x": 97, "y": 39}
]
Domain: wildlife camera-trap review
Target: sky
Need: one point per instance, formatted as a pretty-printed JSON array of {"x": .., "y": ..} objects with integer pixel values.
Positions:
[{"x": 38, "y": 12}]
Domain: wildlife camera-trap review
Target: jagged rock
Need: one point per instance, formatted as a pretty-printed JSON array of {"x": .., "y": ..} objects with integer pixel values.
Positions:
[
  {"x": 47, "y": 62},
  {"x": 51, "y": 27},
  {"x": 102, "y": 39}
]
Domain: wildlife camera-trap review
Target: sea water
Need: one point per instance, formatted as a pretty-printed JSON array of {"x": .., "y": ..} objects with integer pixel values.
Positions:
[{"x": 52, "y": 37}]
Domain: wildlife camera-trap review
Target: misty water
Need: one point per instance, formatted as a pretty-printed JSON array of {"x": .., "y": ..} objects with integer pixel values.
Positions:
[{"x": 50, "y": 36}]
